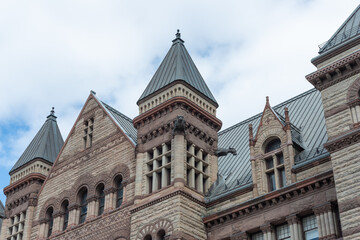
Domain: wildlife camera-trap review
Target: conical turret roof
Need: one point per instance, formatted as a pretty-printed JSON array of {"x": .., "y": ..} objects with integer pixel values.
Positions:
[
  {"x": 45, "y": 145},
  {"x": 177, "y": 65},
  {"x": 348, "y": 31}
]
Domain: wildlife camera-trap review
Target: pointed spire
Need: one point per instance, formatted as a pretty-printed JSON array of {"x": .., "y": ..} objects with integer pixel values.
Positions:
[
  {"x": 45, "y": 145},
  {"x": 251, "y": 136},
  {"x": 267, "y": 101},
  {"x": 177, "y": 66},
  {"x": 287, "y": 118}
]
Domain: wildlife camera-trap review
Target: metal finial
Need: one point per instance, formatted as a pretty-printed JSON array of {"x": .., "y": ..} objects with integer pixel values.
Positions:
[
  {"x": 52, "y": 112},
  {"x": 178, "y": 34}
]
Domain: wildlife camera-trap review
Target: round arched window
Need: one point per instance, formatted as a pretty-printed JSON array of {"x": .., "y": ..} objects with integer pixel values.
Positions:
[{"x": 272, "y": 145}]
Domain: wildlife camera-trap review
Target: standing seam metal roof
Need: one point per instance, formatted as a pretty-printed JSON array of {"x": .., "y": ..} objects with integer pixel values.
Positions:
[
  {"x": 305, "y": 112},
  {"x": 124, "y": 122},
  {"x": 177, "y": 65},
  {"x": 347, "y": 31},
  {"x": 45, "y": 145}
]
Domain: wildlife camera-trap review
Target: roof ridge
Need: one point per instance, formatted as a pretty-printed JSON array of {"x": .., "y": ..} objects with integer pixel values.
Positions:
[
  {"x": 117, "y": 112},
  {"x": 259, "y": 114}
]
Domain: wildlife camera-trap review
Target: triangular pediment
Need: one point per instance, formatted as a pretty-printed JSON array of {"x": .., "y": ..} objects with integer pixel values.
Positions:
[{"x": 177, "y": 66}]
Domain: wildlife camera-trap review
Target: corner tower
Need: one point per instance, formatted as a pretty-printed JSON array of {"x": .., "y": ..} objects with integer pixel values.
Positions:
[
  {"x": 338, "y": 79},
  {"x": 26, "y": 178},
  {"x": 177, "y": 141}
]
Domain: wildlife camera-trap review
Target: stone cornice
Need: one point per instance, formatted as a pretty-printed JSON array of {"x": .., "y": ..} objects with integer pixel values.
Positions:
[
  {"x": 335, "y": 72},
  {"x": 270, "y": 199},
  {"x": 174, "y": 103},
  {"x": 311, "y": 164},
  {"x": 343, "y": 141},
  {"x": 27, "y": 180},
  {"x": 162, "y": 198}
]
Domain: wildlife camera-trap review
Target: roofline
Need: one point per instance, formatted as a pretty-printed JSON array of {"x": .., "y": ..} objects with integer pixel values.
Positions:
[
  {"x": 30, "y": 162},
  {"x": 113, "y": 119},
  {"x": 141, "y": 100},
  {"x": 259, "y": 114},
  {"x": 336, "y": 50}
]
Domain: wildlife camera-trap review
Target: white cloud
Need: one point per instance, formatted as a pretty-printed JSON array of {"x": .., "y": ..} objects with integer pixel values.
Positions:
[{"x": 54, "y": 52}]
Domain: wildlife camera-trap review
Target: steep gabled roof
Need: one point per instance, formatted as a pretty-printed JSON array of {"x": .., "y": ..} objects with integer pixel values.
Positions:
[
  {"x": 305, "y": 111},
  {"x": 45, "y": 145},
  {"x": 348, "y": 31},
  {"x": 177, "y": 65},
  {"x": 124, "y": 122}
]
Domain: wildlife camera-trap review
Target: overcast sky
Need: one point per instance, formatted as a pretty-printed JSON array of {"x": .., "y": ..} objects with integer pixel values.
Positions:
[{"x": 52, "y": 53}]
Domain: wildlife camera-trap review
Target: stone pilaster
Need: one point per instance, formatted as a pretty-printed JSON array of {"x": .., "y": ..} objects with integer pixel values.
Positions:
[
  {"x": 295, "y": 227},
  {"x": 268, "y": 231},
  {"x": 326, "y": 221},
  {"x": 179, "y": 153}
]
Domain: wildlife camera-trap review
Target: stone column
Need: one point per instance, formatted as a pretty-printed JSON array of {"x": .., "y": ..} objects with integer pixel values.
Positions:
[
  {"x": 28, "y": 222},
  {"x": 200, "y": 179},
  {"x": 268, "y": 230},
  {"x": 325, "y": 220},
  {"x": 57, "y": 222},
  {"x": 179, "y": 154},
  {"x": 191, "y": 176},
  {"x": 155, "y": 183},
  {"x": 295, "y": 227},
  {"x": 43, "y": 229},
  {"x": 275, "y": 162},
  {"x": 73, "y": 215},
  {"x": 109, "y": 199},
  {"x": 92, "y": 209},
  {"x": 164, "y": 174}
]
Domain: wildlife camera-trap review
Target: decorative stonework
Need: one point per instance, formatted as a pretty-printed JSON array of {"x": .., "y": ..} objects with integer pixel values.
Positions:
[
  {"x": 353, "y": 91},
  {"x": 153, "y": 228},
  {"x": 335, "y": 72},
  {"x": 344, "y": 141}
]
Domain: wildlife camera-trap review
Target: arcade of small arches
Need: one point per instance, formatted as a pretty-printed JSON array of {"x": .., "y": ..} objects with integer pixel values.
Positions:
[{"x": 88, "y": 202}]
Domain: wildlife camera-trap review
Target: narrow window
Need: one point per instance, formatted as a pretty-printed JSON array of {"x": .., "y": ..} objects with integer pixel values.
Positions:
[
  {"x": 65, "y": 209},
  {"x": 310, "y": 228},
  {"x": 119, "y": 191},
  {"x": 88, "y": 132},
  {"x": 271, "y": 181},
  {"x": 283, "y": 232},
  {"x": 257, "y": 236},
  {"x": 101, "y": 198},
  {"x": 50, "y": 220},
  {"x": 282, "y": 177},
  {"x": 83, "y": 205}
]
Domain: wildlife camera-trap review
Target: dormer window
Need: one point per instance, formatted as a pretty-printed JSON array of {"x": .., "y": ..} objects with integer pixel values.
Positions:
[{"x": 275, "y": 169}]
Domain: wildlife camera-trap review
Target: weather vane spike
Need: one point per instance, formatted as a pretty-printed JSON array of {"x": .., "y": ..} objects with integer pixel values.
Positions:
[
  {"x": 52, "y": 112},
  {"x": 178, "y": 35}
]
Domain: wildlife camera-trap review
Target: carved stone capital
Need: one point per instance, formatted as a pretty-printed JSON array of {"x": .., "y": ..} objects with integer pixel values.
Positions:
[
  {"x": 109, "y": 190},
  {"x": 73, "y": 206},
  {"x": 267, "y": 227},
  {"x": 240, "y": 236},
  {"x": 293, "y": 219},
  {"x": 322, "y": 208}
]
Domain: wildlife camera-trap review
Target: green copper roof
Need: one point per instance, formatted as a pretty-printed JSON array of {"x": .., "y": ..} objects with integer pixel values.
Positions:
[
  {"x": 347, "y": 32},
  {"x": 177, "y": 65},
  {"x": 45, "y": 145}
]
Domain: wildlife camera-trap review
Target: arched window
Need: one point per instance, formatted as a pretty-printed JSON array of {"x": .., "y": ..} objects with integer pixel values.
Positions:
[
  {"x": 119, "y": 191},
  {"x": 65, "y": 210},
  {"x": 101, "y": 198},
  {"x": 272, "y": 145},
  {"x": 160, "y": 235},
  {"x": 50, "y": 220},
  {"x": 82, "y": 196},
  {"x": 148, "y": 237}
]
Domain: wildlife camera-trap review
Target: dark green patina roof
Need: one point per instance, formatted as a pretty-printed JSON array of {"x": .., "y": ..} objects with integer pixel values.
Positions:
[
  {"x": 348, "y": 31},
  {"x": 308, "y": 130},
  {"x": 177, "y": 65},
  {"x": 45, "y": 145}
]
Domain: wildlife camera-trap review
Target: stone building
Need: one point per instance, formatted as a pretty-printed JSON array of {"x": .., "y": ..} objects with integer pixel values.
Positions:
[{"x": 290, "y": 172}]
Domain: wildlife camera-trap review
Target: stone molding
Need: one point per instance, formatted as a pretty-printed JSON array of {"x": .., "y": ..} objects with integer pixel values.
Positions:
[
  {"x": 343, "y": 141},
  {"x": 335, "y": 72},
  {"x": 28, "y": 180},
  {"x": 270, "y": 199},
  {"x": 170, "y": 195},
  {"x": 240, "y": 236},
  {"x": 175, "y": 103},
  {"x": 311, "y": 165},
  {"x": 336, "y": 110},
  {"x": 322, "y": 208}
]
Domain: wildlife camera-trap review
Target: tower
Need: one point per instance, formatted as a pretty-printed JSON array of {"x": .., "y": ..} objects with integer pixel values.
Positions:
[
  {"x": 338, "y": 78},
  {"x": 177, "y": 141},
  {"x": 26, "y": 178}
]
